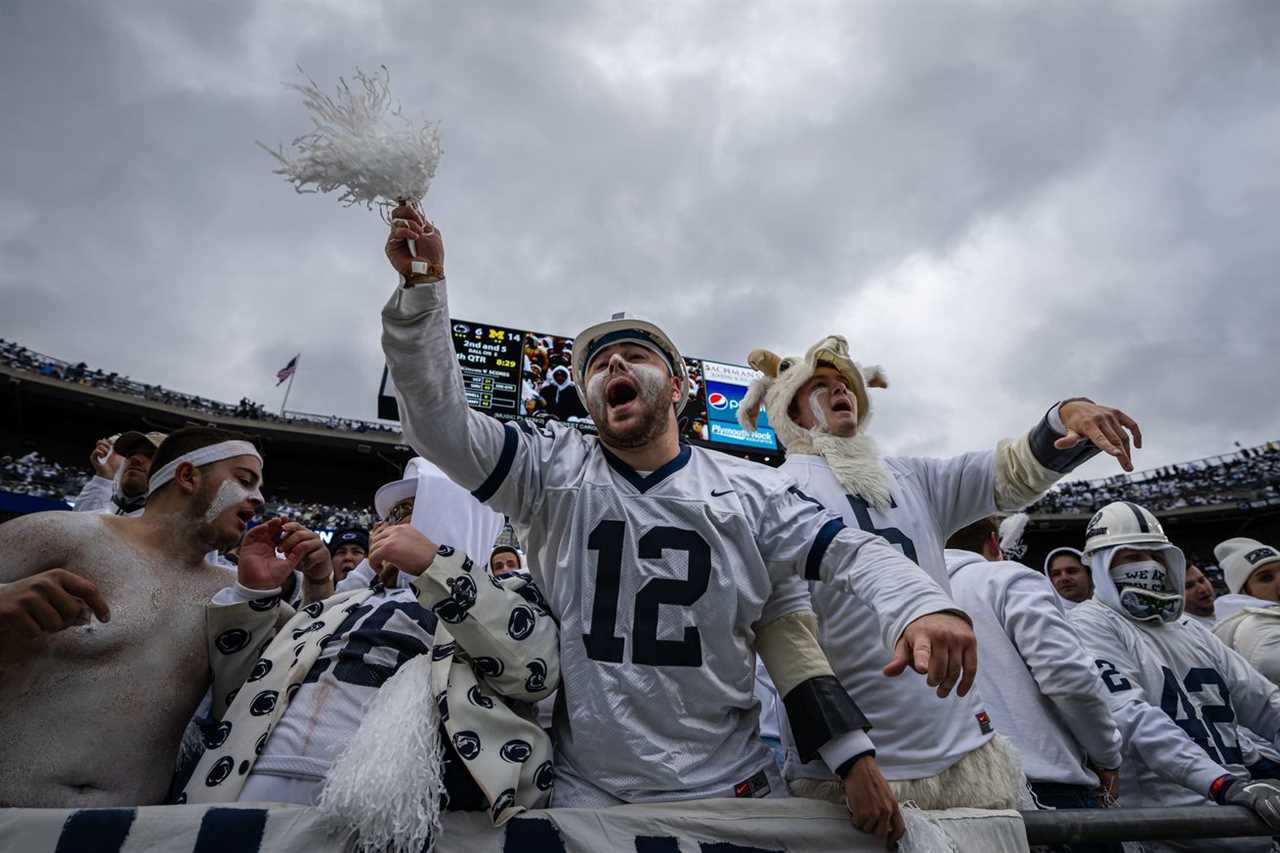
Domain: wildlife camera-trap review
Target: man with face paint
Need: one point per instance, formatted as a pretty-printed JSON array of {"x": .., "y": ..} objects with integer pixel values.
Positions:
[
  {"x": 120, "y": 468},
  {"x": 940, "y": 754},
  {"x": 1179, "y": 696},
  {"x": 661, "y": 562},
  {"x": 102, "y": 651}
]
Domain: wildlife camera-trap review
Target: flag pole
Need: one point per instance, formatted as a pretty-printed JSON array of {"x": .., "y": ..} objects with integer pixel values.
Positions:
[{"x": 289, "y": 387}]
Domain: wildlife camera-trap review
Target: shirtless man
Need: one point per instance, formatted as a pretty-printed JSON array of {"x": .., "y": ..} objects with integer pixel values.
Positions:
[{"x": 92, "y": 707}]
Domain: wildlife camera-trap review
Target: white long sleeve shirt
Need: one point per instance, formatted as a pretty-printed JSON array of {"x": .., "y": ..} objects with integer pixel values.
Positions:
[{"x": 1033, "y": 671}]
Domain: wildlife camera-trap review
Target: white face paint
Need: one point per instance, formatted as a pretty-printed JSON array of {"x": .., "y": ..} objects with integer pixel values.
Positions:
[
  {"x": 230, "y": 493},
  {"x": 816, "y": 399},
  {"x": 650, "y": 383}
]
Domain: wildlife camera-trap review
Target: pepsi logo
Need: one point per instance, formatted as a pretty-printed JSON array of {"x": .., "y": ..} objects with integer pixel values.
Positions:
[{"x": 716, "y": 400}]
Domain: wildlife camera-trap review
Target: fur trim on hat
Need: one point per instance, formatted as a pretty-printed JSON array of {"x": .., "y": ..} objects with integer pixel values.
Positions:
[
  {"x": 783, "y": 377},
  {"x": 856, "y": 460}
]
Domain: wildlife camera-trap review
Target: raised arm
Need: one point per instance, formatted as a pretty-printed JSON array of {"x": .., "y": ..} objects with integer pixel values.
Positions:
[
  {"x": 499, "y": 464},
  {"x": 1069, "y": 434}
]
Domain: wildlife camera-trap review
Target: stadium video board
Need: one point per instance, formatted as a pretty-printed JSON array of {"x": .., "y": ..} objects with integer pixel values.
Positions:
[{"x": 509, "y": 374}]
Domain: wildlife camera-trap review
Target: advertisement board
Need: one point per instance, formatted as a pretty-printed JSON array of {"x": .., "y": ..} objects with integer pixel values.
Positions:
[{"x": 724, "y": 387}]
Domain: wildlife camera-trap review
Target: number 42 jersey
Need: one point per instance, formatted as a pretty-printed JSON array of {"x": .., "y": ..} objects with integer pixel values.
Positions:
[{"x": 1178, "y": 695}]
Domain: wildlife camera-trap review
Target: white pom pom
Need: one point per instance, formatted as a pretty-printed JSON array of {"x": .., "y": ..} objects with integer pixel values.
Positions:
[
  {"x": 1011, "y": 532},
  {"x": 361, "y": 144},
  {"x": 386, "y": 784}
]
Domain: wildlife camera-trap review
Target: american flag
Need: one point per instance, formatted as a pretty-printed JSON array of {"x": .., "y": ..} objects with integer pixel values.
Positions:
[{"x": 288, "y": 370}]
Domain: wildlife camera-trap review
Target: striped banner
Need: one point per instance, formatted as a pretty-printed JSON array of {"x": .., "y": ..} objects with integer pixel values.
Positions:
[{"x": 706, "y": 826}]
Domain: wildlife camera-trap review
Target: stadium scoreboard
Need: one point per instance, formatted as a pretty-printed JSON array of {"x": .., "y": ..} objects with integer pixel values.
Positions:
[
  {"x": 517, "y": 374},
  {"x": 490, "y": 360}
]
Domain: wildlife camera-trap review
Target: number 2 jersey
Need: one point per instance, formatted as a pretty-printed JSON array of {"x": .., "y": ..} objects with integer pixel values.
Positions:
[
  {"x": 658, "y": 579},
  {"x": 1178, "y": 696}
]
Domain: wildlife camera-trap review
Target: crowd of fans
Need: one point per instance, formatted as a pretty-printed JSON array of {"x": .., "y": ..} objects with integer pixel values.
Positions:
[
  {"x": 1245, "y": 479},
  {"x": 19, "y": 357},
  {"x": 918, "y": 664}
]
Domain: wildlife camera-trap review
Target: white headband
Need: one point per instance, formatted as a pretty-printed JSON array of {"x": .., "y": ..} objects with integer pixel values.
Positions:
[{"x": 201, "y": 456}]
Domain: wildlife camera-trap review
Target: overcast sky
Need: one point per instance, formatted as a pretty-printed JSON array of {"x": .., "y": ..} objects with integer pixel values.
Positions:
[{"x": 1002, "y": 203}]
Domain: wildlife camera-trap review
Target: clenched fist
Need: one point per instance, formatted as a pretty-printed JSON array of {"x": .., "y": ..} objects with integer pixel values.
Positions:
[
  {"x": 941, "y": 646},
  {"x": 104, "y": 460},
  {"x": 401, "y": 546},
  {"x": 424, "y": 263},
  {"x": 49, "y": 602}
]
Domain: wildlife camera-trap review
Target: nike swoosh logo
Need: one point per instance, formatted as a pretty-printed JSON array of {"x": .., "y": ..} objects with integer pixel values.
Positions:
[{"x": 716, "y": 494}]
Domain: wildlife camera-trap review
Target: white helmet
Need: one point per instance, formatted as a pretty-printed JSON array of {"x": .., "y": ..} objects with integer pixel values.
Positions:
[
  {"x": 623, "y": 329},
  {"x": 1123, "y": 523}
]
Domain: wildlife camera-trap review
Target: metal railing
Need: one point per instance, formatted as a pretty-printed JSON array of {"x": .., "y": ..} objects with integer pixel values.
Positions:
[{"x": 1064, "y": 826}]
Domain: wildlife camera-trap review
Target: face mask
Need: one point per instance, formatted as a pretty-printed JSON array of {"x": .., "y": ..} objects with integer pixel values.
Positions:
[{"x": 1143, "y": 591}]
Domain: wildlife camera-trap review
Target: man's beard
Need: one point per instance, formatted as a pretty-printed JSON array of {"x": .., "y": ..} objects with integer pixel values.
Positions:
[
  {"x": 856, "y": 462},
  {"x": 655, "y": 415}
]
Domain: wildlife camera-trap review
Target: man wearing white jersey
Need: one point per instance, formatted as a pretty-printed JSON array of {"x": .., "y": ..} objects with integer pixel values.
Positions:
[
  {"x": 940, "y": 754},
  {"x": 1036, "y": 677},
  {"x": 660, "y": 562},
  {"x": 1178, "y": 695}
]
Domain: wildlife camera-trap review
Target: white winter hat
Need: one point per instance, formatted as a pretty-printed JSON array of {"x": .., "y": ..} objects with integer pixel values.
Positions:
[
  {"x": 783, "y": 377},
  {"x": 1241, "y": 557}
]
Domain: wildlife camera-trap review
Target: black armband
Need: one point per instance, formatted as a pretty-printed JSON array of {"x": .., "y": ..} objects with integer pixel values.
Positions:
[
  {"x": 818, "y": 710},
  {"x": 1042, "y": 438}
]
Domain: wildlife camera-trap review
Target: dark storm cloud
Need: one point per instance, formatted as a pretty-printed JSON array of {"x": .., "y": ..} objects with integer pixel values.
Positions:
[{"x": 1001, "y": 203}]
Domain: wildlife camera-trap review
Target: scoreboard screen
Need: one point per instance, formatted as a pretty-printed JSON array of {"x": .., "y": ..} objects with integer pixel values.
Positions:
[
  {"x": 490, "y": 360},
  {"x": 511, "y": 373}
]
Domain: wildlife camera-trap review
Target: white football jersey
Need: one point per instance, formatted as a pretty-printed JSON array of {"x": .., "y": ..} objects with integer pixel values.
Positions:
[
  {"x": 1178, "y": 696},
  {"x": 658, "y": 580},
  {"x": 915, "y": 733},
  {"x": 372, "y": 643}
]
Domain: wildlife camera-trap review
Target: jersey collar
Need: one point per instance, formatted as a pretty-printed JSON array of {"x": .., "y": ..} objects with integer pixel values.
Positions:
[{"x": 643, "y": 484}]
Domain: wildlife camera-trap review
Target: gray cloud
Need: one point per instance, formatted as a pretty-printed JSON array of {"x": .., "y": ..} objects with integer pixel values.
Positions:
[{"x": 1004, "y": 204}]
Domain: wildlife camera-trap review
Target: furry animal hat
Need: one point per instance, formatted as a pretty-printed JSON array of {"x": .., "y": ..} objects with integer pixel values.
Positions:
[{"x": 783, "y": 377}]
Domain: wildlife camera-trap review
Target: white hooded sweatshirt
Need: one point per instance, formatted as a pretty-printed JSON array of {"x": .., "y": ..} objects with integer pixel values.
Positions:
[
  {"x": 1178, "y": 695},
  {"x": 1035, "y": 675},
  {"x": 1251, "y": 626}
]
